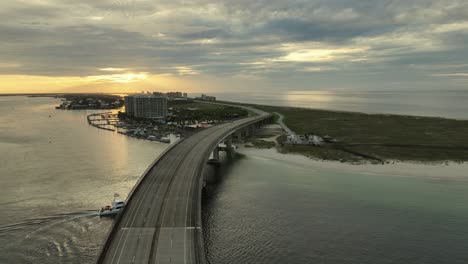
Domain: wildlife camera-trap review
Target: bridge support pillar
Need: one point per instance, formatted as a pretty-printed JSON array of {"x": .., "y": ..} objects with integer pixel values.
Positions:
[
  {"x": 247, "y": 132},
  {"x": 216, "y": 153},
  {"x": 237, "y": 136},
  {"x": 229, "y": 143},
  {"x": 250, "y": 131}
]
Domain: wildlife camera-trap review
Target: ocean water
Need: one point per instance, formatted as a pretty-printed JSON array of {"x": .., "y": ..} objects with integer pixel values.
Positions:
[
  {"x": 56, "y": 171},
  {"x": 449, "y": 104},
  {"x": 273, "y": 208}
]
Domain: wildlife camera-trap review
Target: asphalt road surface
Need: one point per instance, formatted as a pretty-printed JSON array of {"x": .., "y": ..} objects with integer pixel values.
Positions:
[{"x": 161, "y": 222}]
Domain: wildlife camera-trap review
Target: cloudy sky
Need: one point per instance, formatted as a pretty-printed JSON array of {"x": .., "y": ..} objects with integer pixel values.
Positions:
[{"x": 232, "y": 45}]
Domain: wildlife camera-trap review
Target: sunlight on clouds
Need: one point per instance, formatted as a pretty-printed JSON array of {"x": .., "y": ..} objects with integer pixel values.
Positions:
[
  {"x": 159, "y": 35},
  {"x": 113, "y": 69},
  {"x": 205, "y": 41},
  {"x": 105, "y": 83},
  {"x": 27, "y": 83},
  {"x": 395, "y": 42},
  {"x": 454, "y": 27},
  {"x": 459, "y": 74},
  {"x": 256, "y": 64},
  {"x": 319, "y": 54},
  {"x": 186, "y": 70},
  {"x": 9, "y": 65},
  {"x": 288, "y": 44},
  {"x": 119, "y": 78},
  {"x": 318, "y": 69}
]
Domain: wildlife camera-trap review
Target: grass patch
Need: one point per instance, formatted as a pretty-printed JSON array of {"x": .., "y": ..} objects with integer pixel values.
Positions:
[
  {"x": 192, "y": 104},
  {"x": 411, "y": 153},
  {"x": 265, "y": 136},
  {"x": 350, "y": 128},
  {"x": 190, "y": 111},
  {"x": 322, "y": 153},
  {"x": 258, "y": 143}
]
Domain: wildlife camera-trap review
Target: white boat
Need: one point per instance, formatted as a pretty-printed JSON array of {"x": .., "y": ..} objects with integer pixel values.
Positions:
[
  {"x": 117, "y": 205},
  {"x": 165, "y": 140}
]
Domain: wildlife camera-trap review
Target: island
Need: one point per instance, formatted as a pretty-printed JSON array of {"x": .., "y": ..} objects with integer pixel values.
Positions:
[
  {"x": 319, "y": 134},
  {"x": 377, "y": 138},
  {"x": 90, "y": 101}
]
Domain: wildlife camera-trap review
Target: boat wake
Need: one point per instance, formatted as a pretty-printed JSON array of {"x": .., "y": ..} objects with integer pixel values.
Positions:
[
  {"x": 45, "y": 222},
  {"x": 74, "y": 237}
]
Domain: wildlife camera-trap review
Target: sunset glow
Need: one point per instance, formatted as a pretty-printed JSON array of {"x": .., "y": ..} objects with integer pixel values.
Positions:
[{"x": 229, "y": 46}]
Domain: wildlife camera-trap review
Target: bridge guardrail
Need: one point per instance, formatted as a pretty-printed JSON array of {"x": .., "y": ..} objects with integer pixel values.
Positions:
[{"x": 113, "y": 230}]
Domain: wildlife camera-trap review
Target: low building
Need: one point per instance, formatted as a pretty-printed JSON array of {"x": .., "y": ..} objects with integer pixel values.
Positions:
[
  {"x": 294, "y": 139},
  {"x": 174, "y": 94},
  {"x": 315, "y": 140},
  {"x": 146, "y": 106},
  {"x": 205, "y": 97}
]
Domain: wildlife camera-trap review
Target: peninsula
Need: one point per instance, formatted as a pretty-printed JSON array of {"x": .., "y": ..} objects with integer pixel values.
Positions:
[{"x": 357, "y": 137}]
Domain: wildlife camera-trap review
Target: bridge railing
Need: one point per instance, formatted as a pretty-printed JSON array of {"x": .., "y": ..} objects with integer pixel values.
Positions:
[
  {"x": 113, "y": 230},
  {"x": 199, "y": 236}
]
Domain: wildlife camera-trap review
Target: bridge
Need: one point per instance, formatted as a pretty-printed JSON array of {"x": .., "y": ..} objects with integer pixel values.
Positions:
[{"x": 161, "y": 222}]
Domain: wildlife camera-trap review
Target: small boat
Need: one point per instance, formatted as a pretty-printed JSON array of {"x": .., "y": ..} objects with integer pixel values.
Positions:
[
  {"x": 117, "y": 205},
  {"x": 165, "y": 140}
]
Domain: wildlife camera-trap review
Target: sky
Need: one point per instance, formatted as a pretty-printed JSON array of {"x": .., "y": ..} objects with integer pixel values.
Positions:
[{"x": 232, "y": 45}]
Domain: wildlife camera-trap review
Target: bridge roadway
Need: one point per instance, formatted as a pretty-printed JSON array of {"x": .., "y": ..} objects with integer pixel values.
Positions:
[{"x": 161, "y": 222}]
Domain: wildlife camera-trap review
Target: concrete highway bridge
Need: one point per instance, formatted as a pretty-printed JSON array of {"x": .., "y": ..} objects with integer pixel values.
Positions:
[{"x": 161, "y": 222}]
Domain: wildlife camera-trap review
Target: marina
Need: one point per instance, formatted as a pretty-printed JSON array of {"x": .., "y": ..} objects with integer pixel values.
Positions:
[{"x": 111, "y": 122}]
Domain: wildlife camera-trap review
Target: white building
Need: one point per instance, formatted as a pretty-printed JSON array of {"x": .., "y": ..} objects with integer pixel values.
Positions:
[
  {"x": 146, "y": 106},
  {"x": 205, "y": 97}
]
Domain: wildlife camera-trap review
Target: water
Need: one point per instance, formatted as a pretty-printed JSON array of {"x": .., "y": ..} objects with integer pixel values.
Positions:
[
  {"x": 55, "y": 172},
  {"x": 274, "y": 208},
  {"x": 266, "y": 208},
  {"x": 449, "y": 104}
]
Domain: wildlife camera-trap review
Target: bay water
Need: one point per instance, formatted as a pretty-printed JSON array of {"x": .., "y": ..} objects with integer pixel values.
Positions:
[{"x": 56, "y": 171}]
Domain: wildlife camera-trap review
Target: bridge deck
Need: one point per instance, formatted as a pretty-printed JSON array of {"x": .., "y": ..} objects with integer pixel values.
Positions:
[{"x": 161, "y": 222}]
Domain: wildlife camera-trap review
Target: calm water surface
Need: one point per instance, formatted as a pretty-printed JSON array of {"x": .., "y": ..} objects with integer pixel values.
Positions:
[
  {"x": 274, "y": 208},
  {"x": 55, "y": 172},
  {"x": 266, "y": 208},
  {"x": 450, "y": 104}
]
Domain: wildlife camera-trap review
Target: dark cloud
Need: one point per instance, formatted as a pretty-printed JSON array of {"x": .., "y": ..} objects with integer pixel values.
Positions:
[
  {"x": 230, "y": 38},
  {"x": 206, "y": 34},
  {"x": 291, "y": 29}
]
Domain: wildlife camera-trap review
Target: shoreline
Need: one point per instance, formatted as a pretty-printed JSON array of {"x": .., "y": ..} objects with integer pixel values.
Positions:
[
  {"x": 58, "y": 95},
  {"x": 436, "y": 140},
  {"x": 248, "y": 145},
  {"x": 301, "y": 160},
  {"x": 357, "y": 138},
  {"x": 342, "y": 111}
]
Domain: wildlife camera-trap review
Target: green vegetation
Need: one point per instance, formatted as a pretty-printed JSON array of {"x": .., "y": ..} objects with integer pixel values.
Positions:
[
  {"x": 378, "y": 135},
  {"x": 184, "y": 104},
  {"x": 323, "y": 153},
  {"x": 414, "y": 153},
  {"x": 258, "y": 143},
  {"x": 265, "y": 136},
  {"x": 190, "y": 110}
]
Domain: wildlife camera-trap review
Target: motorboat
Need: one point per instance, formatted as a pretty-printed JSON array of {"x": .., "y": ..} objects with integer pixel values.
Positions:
[
  {"x": 165, "y": 140},
  {"x": 111, "y": 210}
]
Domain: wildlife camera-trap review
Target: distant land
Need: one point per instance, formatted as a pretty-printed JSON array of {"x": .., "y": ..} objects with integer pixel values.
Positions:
[
  {"x": 50, "y": 94},
  {"x": 376, "y": 138}
]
